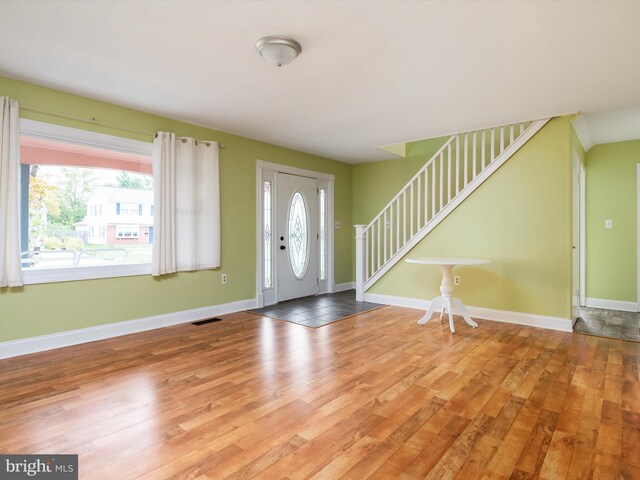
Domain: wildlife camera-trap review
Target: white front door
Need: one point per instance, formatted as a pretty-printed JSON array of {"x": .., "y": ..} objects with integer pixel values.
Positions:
[{"x": 296, "y": 236}]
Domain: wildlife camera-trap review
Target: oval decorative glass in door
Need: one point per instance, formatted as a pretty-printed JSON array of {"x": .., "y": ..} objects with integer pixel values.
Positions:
[{"x": 298, "y": 235}]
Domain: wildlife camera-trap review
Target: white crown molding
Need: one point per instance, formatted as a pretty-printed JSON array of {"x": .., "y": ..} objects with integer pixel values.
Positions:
[
  {"x": 621, "y": 305},
  {"x": 26, "y": 346},
  {"x": 519, "y": 318}
]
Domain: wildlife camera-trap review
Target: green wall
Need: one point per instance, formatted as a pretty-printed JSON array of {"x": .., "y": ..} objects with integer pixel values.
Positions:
[
  {"x": 611, "y": 270},
  {"x": 520, "y": 218},
  {"x": 41, "y": 309}
]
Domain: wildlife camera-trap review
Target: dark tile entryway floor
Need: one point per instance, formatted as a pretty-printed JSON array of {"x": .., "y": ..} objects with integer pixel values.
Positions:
[
  {"x": 609, "y": 323},
  {"x": 318, "y": 310}
]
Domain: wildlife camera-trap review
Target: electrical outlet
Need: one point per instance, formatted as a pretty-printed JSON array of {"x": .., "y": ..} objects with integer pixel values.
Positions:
[
  {"x": 224, "y": 278},
  {"x": 608, "y": 223},
  {"x": 337, "y": 225},
  {"x": 456, "y": 279}
]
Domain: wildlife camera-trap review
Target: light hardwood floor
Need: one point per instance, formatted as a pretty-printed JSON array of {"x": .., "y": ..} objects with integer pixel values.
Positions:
[{"x": 372, "y": 396}]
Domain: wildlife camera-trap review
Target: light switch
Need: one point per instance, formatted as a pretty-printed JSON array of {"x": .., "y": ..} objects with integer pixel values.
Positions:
[
  {"x": 337, "y": 225},
  {"x": 608, "y": 223}
]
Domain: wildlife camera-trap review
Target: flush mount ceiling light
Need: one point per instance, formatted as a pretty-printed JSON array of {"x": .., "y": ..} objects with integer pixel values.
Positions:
[{"x": 278, "y": 50}]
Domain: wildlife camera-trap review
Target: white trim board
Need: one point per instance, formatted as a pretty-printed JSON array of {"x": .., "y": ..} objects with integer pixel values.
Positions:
[
  {"x": 519, "y": 318},
  {"x": 621, "y": 305},
  {"x": 302, "y": 172},
  {"x": 583, "y": 235},
  {"x": 341, "y": 287},
  {"x": 50, "y": 131},
  {"x": 72, "y": 274},
  {"x": 24, "y": 346}
]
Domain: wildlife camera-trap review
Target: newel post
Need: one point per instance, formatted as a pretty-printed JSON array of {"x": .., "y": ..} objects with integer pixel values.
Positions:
[{"x": 361, "y": 241}]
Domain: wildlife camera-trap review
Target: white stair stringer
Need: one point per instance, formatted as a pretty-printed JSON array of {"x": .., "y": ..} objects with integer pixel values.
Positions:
[{"x": 384, "y": 241}]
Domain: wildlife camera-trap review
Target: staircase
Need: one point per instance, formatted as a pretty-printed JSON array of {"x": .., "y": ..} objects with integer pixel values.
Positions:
[{"x": 460, "y": 166}]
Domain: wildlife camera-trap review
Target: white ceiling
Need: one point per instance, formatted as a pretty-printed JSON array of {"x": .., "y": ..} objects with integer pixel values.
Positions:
[{"x": 370, "y": 74}]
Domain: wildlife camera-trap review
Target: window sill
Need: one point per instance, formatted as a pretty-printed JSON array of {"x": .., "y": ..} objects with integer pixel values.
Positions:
[{"x": 72, "y": 274}]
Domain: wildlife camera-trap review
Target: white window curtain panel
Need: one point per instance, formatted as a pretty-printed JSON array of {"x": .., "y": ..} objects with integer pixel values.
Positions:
[
  {"x": 186, "y": 204},
  {"x": 10, "y": 265}
]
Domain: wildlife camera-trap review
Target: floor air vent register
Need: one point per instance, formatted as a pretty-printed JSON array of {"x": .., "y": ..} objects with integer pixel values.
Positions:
[{"x": 208, "y": 320}]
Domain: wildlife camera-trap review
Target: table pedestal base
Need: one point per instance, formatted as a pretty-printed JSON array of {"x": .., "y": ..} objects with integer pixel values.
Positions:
[{"x": 447, "y": 303}]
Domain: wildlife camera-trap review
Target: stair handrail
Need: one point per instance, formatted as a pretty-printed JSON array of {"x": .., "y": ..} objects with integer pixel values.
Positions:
[
  {"x": 369, "y": 266},
  {"x": 408, "y": 184}
]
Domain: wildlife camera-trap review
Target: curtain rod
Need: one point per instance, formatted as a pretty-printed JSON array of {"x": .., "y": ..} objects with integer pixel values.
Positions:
[
  {"x": 184, "y": 139},
  {"x": 93, "y": 121}
]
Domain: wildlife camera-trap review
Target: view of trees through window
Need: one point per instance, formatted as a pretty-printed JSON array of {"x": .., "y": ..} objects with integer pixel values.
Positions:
[{"x": 88, "y": 216}]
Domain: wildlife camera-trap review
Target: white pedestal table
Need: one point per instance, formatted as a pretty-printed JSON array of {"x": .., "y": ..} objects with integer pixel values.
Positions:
[{"x": 446, "y": 300}]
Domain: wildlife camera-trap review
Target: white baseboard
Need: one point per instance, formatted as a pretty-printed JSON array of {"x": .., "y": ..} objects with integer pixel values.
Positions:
[
  {"x": 341, "y": 287},
  {"x": 407, "y": 302},
  {"x": 612, "y": 304},
  {"x": 25, "y": 346},
  {"x": 337, "y": 287},
  {"x": 519, "y": 318}
]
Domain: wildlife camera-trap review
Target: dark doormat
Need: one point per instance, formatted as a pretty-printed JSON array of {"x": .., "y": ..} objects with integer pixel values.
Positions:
[{"x": 318, "y": 310}]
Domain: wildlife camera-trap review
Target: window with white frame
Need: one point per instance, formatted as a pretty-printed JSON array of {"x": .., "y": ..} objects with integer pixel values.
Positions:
[
  {"x": 267, "y": 235},
  {"x": 129, "y": 209},
  {"x": 68, "y": 175},
  {"x": 323, "y": 234},
  {"x": 127, "y": 231}
]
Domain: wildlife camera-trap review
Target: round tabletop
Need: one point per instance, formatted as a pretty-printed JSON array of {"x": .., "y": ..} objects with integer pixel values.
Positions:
[{"x": 447, "y": 261}]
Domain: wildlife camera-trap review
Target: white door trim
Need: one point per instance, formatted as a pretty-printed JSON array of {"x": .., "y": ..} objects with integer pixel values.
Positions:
[
  {"x": 583, "y": 235},
  {"x": 276, "y": 167},
  {"x": 576, "y": 284},
  {"x": 267, "y": 171},
  {"x": 638, "y": 235}
]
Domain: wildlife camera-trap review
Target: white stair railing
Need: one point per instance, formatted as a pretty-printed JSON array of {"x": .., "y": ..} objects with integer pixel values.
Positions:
[{"x": 451, "y": 175}]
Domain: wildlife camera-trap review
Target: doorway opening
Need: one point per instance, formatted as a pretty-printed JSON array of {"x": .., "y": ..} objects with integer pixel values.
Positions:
[{"x": 606, "y": 223}]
